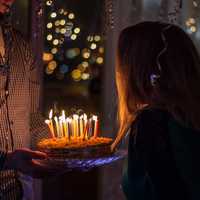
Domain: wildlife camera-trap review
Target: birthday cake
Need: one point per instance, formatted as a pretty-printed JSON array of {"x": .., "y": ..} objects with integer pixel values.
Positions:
[
  {"x": 76, "y": 136},
  {"x": 76, "y": 147}
]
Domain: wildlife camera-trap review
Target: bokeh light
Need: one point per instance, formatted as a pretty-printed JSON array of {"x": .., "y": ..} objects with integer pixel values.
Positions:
[
  {"x": 93, "y": 46},
  {"x": 54, "y": 50},
  {"x": 97, "y": 38},
  {"x": 73, "y": 37},
  {"x": 49, "y": 25},
  {"x": 52, "y": 65},
  {"x": 47, "y": 57},
  {"x": 71, "y": 16},
  {"x": 62, "y": 22},
  {"x": 53, "y": 15},
  {"x": 55, "y": 42},
  {"x": 85, "y": 76},
  {"x": 76, "y": 75},
  {"x": 48, "y": 71},
  {"x": 86, "y": 53},
  {"x": 77, "y": 30},
  {"x": 49, "y": 37},
  {"x": 100, "y": 60}
]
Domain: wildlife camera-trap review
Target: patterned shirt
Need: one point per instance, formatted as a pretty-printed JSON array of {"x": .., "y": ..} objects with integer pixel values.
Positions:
[{"x": 21, "y": 124}]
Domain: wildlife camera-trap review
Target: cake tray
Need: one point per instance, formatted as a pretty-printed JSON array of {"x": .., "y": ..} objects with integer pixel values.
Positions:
[{"x": 84, "y": 164}]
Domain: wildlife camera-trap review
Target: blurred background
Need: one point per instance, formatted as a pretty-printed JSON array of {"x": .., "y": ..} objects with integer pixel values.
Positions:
[{"x": 74, "y": 43}]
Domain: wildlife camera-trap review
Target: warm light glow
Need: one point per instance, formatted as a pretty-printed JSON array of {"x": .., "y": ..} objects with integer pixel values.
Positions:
[
  {"x": 85, "y": 76},
  {"x": 47, "y": 57},
  {"x": 55, "y": 42},
  {"x": 61, "y": 11},
  {"x": 49, "y": 37},
  {"x": 49, "y": 25},
  {"x": 101, "y": 50},
  {"x": 62, "y": 22},
  {"x": 76, "y": 74},
  {"x": 86, "y": 53},
  {"x": 53, "y": 15},
  {"x": 71, "y": 16},
  {"x": 52, "y": 65},
  {"x": 193, "y": 29},
  {"x": 54, "y": 50},
  {"x": 51, "y": 114},
  {"x": 77, "y": 30},
  {"x": 93, "y": 46},
  {"x": 97, "y": 38},
  {"x": 90, "y": 38},
  {"x": 57, "y": 23},
  {"x": 48, "y": 71},
  {"x": 192, "y": 20},
  {"x": 49, "y": 2},
  {"x": 99, "y": 60},
  {"x": 63, "y": 30},
  {"x": 73, "y": 36}
]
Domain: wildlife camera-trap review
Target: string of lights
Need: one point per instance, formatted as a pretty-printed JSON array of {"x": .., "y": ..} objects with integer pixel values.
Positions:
[{"x": 62, "y": 56}]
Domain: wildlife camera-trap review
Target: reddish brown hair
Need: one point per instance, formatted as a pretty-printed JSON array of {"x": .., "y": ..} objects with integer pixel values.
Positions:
[{"x": 177, "y": 89}]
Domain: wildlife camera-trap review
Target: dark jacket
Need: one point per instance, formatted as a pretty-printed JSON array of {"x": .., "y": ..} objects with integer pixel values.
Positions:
[{"x": 163, "y": 160}]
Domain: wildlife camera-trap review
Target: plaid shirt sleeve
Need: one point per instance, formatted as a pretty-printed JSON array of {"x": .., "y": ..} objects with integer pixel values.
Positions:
[{"x": 38, "y": 128}]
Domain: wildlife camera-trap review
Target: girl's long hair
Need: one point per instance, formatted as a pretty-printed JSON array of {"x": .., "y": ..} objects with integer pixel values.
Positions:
[{"x": 178, "y": 88}]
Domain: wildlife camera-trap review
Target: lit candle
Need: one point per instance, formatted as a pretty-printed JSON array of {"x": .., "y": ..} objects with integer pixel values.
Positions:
[
  {"x": 96, "y": 124},
  {"x": 51, "y": 123},
  {"x": 48, "y": 123},
  {"x": 76, "y": 131},
  {"x": 57, "y": 126},
  {"x": 86, "y": 125},
  {"x": 85, "y": 134},
  {"x": 90, "y": 128},
  {"x": 61, "y": 126},
  {"x": 69, "y": 127},
  {"x": 81, "y": 124},
  {"x": 64, "y": 123}
]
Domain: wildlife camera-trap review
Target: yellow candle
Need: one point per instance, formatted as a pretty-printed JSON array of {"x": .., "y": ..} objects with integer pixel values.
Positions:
[
  {"x": 61, "y": 126},
  {"x": 57, "y": 126},
  {"x": 51, "y": 123},
  {"x": 85, "y": 126},
  {"x": 69, "y": 127},
  {"x": 96, "y": 124},
  {"x": 81, "y": 123},
  {"x": 64, "y": 123},
  {"x": 76, "y": 131},
  {"x": 48, "y": 123}
]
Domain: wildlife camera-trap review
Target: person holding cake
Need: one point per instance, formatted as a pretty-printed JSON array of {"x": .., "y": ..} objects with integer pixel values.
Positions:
[
  {"x": 158, "y": 79},
  {"x": 21, "y": 125}
]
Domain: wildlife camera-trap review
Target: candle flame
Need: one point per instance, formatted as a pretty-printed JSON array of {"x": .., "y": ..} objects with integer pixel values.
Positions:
[
  {"x": 47, "y": 121},
  {"x": 69, "y": 120},
  {"x": 84, "y": 116},
  {"x": 56, "y": 119},
  {"x": 75, "y": 117},
  {"x": 94, "y": 117},
  {"x": 51, "y": 114},
  {"x": 63, "y": 115}
]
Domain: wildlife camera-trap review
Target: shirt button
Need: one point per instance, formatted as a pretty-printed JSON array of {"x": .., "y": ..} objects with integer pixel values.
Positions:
[{"x": 7, "y": 92}]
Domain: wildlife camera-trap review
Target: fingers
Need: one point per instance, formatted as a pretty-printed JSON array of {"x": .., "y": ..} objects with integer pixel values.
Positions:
[
  {"x": 29, "y": 154},
  {"x": 37, "y": 155}
]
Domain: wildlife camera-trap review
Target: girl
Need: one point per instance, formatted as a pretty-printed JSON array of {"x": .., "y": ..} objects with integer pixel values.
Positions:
[{"x": 158, "y": 80}]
